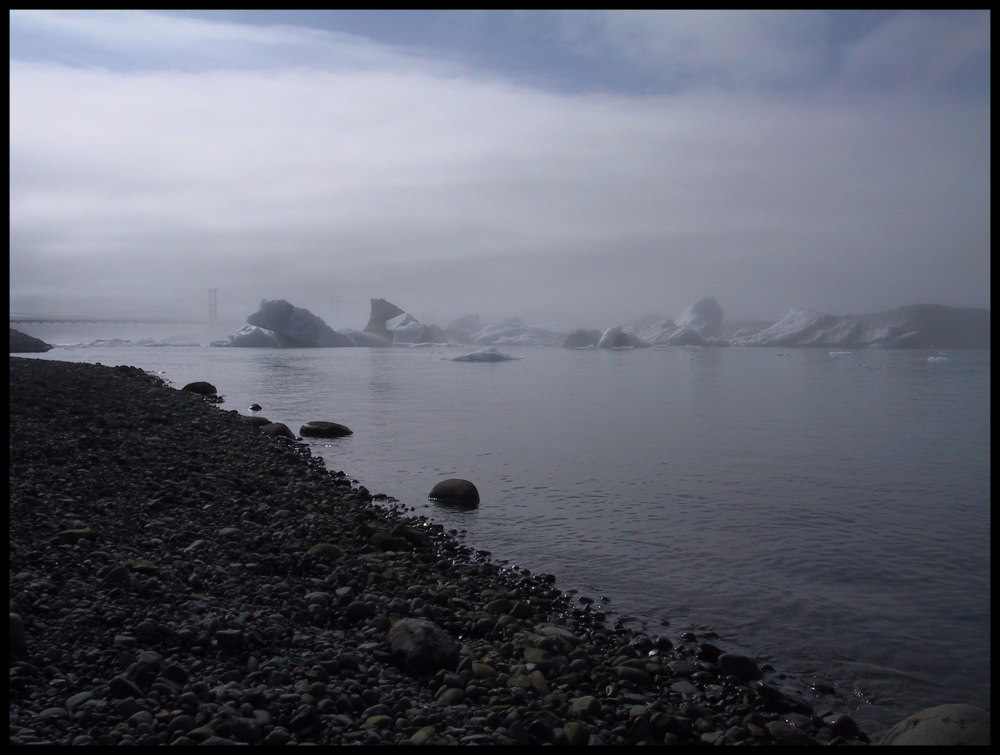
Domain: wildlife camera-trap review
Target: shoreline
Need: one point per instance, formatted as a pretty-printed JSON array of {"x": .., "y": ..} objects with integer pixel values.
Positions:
[{"x": 182, "y": 578}]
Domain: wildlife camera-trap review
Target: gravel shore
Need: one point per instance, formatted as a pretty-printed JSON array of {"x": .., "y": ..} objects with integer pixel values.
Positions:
[{"x": 178, "y": 576}]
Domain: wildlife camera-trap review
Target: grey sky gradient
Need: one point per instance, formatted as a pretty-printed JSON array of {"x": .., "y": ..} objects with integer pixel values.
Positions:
[{"x": 572, "y": 168}]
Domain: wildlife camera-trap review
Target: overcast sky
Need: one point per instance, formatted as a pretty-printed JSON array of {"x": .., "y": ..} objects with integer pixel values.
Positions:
[{"x": 577, "y": 169}]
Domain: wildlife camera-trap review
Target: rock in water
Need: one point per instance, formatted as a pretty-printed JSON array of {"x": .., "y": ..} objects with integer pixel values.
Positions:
[
  {"x": 320, "y": 429},
  {"x": 455, "y": 490},
  {"x": 952, "y": 724},
  {"x": 22, "y": 343},
  {"x": 201, "y": 388}
]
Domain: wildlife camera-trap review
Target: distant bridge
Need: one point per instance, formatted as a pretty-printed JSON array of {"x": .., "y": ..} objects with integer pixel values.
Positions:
[
  {"x": 18, "y": 318},
  {"x": 51, "y": 319}
]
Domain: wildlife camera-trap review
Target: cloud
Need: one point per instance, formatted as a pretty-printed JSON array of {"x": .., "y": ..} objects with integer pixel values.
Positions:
[{"x": 368, "y": 172}]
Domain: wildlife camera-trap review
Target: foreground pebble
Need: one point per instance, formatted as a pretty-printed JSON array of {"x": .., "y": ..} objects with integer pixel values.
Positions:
[{"x": 180, "y": 575}]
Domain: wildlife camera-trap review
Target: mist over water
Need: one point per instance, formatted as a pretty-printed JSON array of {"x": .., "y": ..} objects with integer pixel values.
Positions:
[{"x": 826, "y": 514}]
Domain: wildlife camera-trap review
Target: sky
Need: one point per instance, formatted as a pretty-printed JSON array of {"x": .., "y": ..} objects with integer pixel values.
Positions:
[{"x": 572, "y": 168}]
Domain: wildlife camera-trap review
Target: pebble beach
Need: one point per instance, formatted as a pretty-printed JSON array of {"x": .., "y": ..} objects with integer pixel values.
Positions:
[{"x": 179, "y": 576}]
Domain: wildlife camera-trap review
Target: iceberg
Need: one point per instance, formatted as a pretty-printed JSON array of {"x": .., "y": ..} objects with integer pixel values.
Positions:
[
  {"x": 295, "y": 326},
  {"x": 461, "y": 330},
  {"x": 918, "y": 326},
  {"x": 700, "y": 324},
  {"x": 704, "y": 317},
  {"x": 582, "y": 338},
  {"x": 405, "y": 329},
  {"x": 489, "y": 354},
  {"x": 515, "y": 332}
]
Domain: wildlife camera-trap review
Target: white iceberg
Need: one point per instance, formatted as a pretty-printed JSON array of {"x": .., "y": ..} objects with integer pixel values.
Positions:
[
  {"x": 618, "y": 338},
  {"x": 405, "y": 329},
  {"x": 704, "y": 316},
  {"x": 516, "y": 332}
]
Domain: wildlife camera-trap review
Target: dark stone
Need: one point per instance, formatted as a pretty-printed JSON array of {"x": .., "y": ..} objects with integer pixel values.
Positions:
[
  {"x": 320, "y": 429},
  {"x": 22, "y": 343},
  {"x": 421, "y": 646},
  {"x": 455, "y": 491},
  {"x": 119, "y": 686},
  {"x": 201, "y": 388},
  {"x": 277, "y": 430},
  {"x": 742, "y": 667},
  {"x": 18, "y": 642},
  {"x": 708, "y": 652}
]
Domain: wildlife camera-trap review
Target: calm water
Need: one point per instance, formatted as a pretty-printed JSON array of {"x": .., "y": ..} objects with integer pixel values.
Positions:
[{"x": 828, "y": 514}]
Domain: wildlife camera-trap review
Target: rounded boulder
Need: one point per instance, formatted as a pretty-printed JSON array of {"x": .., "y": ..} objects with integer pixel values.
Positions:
[
  {"x": 950, "y": 724},
  {"x": 455, "y": 491},
  {"x": 200, "y": 387},
  {"x": 319, "y": 429}
]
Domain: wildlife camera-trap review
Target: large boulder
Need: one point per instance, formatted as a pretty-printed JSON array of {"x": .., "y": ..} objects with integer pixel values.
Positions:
[
  {"x": 22, "y": 343},
  {"x": 455, "y": 491},
  {"x": 950, "y": 724},
  {"x": 420, "y": 646},
  {"x": 320, "y": 429},
  {"x": 201, "y": 387}
]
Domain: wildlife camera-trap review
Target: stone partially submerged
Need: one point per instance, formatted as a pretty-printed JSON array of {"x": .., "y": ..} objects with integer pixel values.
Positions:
[
  {"x": 455, "y": 491},
  {"x": 22, "y": 343},
  {"x": 947, "y": 725},
  {"x": 320, "y": 429}
]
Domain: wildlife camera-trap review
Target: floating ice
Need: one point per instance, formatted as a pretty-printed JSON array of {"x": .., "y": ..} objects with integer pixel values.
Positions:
[
  {"x": 616, "y": 338},
  {"x": 489, "y": 354}
]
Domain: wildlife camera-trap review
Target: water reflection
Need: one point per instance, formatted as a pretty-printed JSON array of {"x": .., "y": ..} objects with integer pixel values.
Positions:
[{"x": 382, "y": 376}]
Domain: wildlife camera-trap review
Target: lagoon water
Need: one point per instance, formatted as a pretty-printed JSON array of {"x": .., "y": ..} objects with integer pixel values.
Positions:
[{"x": 826, "y": 513}]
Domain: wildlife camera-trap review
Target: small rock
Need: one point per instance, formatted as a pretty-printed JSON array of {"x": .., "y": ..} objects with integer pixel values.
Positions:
[
  {"x": 742, "y": 667},
  {"x": 119, "y": 686},
  {"x": 278, "y": 430}
]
